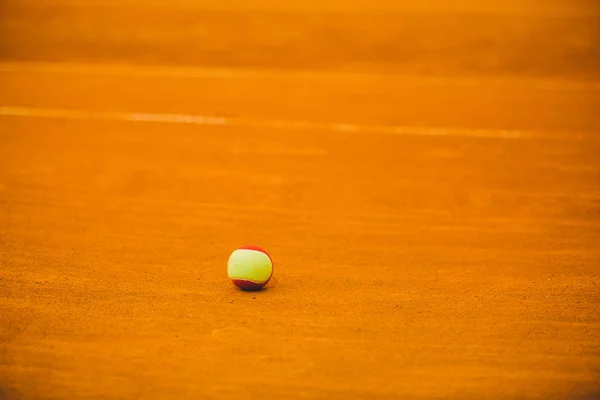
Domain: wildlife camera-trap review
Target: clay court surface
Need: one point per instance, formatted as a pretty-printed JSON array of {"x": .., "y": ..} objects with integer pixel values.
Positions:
[{"x": 432, "y": 206}]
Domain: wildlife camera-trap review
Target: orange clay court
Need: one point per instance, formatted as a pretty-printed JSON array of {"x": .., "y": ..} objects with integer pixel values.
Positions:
[{"x": 425, "y": 176}]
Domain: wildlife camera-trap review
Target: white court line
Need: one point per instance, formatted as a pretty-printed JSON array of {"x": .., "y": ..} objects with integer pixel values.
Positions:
[
  {"x": 260, "y": 123},
  {"x": 191, "y": 119},
  {"x": 213, "y": 120}
]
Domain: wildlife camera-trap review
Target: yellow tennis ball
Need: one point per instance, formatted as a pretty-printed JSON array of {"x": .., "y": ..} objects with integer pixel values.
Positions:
[{"x": 250, "y": 268}]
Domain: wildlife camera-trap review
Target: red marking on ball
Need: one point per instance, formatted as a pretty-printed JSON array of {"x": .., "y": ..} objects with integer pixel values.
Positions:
[
  {"x": 256, "y": 248},
  {"x": 248, "y": 286}
]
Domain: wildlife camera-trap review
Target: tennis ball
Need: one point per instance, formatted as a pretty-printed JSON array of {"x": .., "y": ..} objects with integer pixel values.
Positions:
[{"x": 250, "y": 268}]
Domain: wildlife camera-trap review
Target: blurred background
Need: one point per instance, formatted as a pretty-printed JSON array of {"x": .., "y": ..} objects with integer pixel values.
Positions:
[{"x": 529, "y": 38}]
